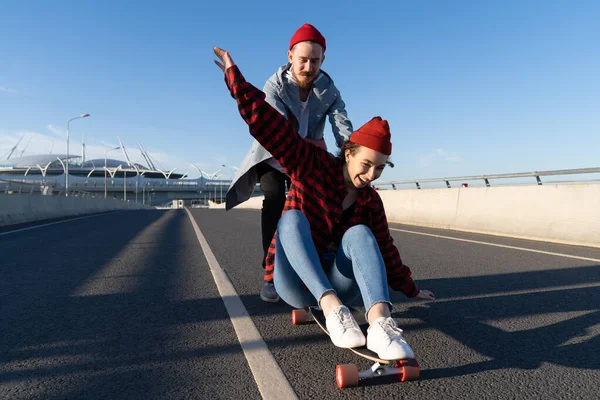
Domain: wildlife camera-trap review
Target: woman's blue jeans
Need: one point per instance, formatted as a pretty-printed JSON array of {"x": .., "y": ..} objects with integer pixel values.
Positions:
[{"x": 357, "y": 270}]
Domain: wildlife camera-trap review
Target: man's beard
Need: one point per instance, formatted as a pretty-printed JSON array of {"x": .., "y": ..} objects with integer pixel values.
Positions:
[{"x": 306, "y": 83}]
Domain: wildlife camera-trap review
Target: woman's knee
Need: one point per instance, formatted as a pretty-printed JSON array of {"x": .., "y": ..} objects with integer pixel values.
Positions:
[
  {"x": 361, "y": 233},
  {"x": 291, "y": 220}
]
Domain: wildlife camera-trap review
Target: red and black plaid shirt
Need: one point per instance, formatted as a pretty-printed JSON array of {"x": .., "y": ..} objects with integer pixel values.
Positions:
[{"x": 318, "y": 186}]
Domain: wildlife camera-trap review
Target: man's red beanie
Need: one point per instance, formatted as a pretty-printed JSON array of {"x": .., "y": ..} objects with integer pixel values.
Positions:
[
  {"x": 307, "y": 32},
  {"x": 375, "y": 135}
]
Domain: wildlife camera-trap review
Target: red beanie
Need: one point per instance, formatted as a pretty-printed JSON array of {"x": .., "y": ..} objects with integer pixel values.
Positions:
[
  {"x": 307, "y": 32},
  {"x": 375, "y": 135}
]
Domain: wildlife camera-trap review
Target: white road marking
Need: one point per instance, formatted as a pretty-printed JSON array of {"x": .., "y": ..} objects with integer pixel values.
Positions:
[
  {"x": 57, "y": 222},
  {"x": 520, "y": 292},
  {"x": 269, "y": 377},
  {"x": 498, "y": 245}
]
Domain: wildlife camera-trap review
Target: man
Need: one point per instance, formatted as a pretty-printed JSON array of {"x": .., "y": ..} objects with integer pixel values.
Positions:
[{"x": 305, "y": 95}]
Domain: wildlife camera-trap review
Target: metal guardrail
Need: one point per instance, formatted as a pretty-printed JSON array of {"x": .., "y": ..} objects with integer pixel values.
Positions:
[
  {"x": 159, "y": 185},
  {"x": 45, "y": 187},
  {"x": 486, "y": 178}
]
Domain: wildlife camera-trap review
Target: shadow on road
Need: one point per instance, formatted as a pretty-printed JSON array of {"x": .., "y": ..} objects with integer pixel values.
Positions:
[{"x": 527, "y": 336}]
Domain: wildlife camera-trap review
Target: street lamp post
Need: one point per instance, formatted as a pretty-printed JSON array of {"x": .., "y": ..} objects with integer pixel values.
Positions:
[
  {"x": 137, "y": 180},
  {"x": 234, "y": 170},
  {"x": 105, "y": 155},
  {"x": 67, "y": 160}
]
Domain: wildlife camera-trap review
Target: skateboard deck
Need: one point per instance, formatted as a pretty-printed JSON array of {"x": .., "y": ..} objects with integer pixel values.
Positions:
[{"x": 347, "y": 375}]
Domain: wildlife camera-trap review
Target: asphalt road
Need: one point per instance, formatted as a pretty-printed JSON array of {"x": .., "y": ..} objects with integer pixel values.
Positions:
[{"x": 124, "y": 305}]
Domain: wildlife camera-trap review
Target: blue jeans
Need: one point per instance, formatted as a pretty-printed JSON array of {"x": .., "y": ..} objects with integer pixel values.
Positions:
[{"x": 357, "y": 270}]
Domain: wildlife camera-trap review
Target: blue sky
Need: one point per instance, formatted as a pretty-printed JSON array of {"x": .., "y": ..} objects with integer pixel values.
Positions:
[{"x": 467, "y": 87}]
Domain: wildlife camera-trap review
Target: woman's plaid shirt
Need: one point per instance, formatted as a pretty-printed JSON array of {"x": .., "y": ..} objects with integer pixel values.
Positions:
[{"x": 318, "y": 187}]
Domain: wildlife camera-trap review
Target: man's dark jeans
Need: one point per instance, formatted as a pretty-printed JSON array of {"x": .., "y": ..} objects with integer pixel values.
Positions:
[{"x": 273, "y": 185}]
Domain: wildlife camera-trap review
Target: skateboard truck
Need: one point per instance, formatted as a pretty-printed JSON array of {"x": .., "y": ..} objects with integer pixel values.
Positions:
[{"x": 348, "y": 375}]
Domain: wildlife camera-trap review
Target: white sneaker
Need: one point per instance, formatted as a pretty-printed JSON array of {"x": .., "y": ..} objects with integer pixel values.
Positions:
[
  {"x": 385, "y": 338},
  {"x": 343, "y": 328}
]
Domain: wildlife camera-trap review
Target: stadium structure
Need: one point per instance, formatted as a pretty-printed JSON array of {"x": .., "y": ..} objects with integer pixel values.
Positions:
[{"x": 123, "y": 179}]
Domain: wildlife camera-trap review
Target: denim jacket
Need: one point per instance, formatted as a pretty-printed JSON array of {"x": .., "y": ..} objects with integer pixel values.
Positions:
[{"x": 282, "y": 93}]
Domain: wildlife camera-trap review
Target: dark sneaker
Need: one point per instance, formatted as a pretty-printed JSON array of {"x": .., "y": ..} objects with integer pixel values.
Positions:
[{"x": 268, "y": 293}]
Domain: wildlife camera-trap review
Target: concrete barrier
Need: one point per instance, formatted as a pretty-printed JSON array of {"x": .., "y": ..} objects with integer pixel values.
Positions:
[
  {"x": 14, "y": 209},
  {"x": 213, "y": 205},
  {"x": 20, "y": 208},
  {"x": 252, "y": 203},
  {"x": 568, "y": 214}
]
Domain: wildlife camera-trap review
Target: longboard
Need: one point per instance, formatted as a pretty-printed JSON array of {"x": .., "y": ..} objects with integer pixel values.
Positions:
[{"x": 348, "y": 375}]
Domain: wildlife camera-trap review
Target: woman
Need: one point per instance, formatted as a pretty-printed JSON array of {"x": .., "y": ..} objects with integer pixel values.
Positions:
[{"x": 331, "y": 209}]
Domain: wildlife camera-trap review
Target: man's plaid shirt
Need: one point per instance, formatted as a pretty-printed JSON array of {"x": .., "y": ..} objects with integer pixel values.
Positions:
[{"x": 318, "y": 186}]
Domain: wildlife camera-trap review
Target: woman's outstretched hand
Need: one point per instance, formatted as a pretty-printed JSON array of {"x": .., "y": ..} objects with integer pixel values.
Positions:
[
  {"x": 425, "y": 295},
  {"x": 224, "y": 58}
]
